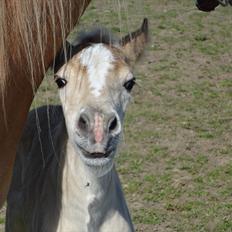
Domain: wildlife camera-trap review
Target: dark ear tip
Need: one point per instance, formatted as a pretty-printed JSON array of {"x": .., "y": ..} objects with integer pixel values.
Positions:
[{"x": 144, "y": 26}]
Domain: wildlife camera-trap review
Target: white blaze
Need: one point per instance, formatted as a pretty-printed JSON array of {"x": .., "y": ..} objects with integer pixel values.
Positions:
[{"x": 98, "y": 60}]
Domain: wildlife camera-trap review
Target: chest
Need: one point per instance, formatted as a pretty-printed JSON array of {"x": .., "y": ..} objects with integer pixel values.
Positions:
[
  {"x": 91, "y": 207},
  {"x": 91, "y": 203},
  {"x": 92, "y": 220}
]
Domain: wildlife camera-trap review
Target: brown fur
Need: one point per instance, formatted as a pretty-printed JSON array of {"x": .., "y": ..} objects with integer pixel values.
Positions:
[{"x": 31, "y": 32}]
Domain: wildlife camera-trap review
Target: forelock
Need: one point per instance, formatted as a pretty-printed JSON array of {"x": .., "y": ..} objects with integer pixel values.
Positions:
[
  {"x": 95, "y": 36},
  {"x": 84, "y": 40}
]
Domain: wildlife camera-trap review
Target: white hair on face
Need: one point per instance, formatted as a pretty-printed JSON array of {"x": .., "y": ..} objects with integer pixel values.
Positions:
[{"x": 98, "y": 60}]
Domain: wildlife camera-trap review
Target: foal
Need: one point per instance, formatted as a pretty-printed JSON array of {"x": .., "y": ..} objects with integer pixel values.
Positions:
[{"x": 64, "y": 176}]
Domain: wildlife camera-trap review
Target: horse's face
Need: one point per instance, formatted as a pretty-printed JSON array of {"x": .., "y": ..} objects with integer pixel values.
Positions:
[{"x": 95, "y": 88}]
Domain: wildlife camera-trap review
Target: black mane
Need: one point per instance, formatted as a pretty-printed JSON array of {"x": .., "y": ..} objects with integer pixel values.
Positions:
[
  {"x": 83, "y": 40},
  {"x": 97, "y": 35}
]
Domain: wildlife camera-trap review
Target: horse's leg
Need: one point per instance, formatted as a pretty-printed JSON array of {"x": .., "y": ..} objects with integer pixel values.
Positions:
[{"x": 17, "y": 95}]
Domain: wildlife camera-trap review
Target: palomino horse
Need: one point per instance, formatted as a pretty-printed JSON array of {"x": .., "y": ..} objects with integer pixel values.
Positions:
[
  {"x": 31, "y": 32},
  {"x": 64, "y": 176}
]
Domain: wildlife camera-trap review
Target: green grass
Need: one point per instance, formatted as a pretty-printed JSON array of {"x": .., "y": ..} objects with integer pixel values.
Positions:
[{"x": 175, "y": 162}]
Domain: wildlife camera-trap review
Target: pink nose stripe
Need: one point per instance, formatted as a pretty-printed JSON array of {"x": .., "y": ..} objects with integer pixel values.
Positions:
[{"x": 98, "y": 128}]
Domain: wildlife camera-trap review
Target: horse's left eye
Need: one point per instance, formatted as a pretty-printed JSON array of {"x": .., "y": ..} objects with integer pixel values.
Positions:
[
  {"x": 129, "y": 84},
  {"x": 61, "y": 82}
]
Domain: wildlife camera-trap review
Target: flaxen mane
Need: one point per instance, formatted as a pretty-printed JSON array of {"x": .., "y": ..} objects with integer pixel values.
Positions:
[{"x": 31, "y": 33}]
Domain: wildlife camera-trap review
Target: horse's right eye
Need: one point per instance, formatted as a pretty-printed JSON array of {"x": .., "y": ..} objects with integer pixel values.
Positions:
[{"x": 61, "y": 82}]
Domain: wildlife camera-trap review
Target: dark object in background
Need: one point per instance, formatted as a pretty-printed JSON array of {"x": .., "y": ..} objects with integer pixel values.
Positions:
[
  {"x": 207, "y": 5},
  {"x": 225, "y": 2},
  {"x": 210, "y": 5}
]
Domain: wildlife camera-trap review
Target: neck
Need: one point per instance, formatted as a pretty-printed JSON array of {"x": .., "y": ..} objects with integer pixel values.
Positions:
[
  {"x": 90, "y": 201},
  {"x": 83, "y": 192}
]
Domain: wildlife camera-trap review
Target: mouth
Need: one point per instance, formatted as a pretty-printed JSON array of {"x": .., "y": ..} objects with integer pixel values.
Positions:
[{"x": 95, "y": 155}]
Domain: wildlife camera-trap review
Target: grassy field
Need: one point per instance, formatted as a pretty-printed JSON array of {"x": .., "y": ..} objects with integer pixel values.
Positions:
[{"x": 175, "y": 161}]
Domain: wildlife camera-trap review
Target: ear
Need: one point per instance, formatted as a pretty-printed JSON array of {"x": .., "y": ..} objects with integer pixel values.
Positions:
[
  {"x": 63, "y": 56},
  {"x": 133, "y": 44}
]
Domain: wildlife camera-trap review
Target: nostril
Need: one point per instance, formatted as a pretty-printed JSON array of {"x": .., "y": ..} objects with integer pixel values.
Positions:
[
  {"x": 113, "y": 124},
  {"x": 83, "y": 123}
]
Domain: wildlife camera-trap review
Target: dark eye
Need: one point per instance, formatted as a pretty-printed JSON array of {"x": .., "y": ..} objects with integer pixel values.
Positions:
[
  {"x": 129, "y": 84},
  {"x": 61, "y": 82}
]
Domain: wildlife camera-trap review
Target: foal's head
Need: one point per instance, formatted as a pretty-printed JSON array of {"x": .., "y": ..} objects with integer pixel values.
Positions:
[{"x": 95, "y": 86}]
